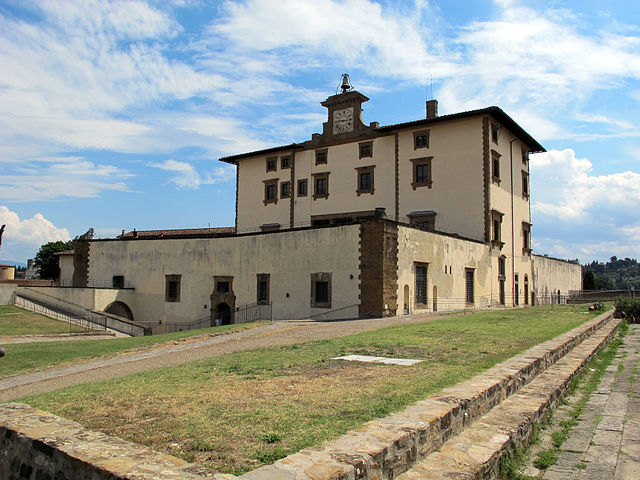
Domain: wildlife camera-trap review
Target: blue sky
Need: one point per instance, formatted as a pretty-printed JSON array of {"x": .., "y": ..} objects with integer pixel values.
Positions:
[{"x": 113, "y": 114}]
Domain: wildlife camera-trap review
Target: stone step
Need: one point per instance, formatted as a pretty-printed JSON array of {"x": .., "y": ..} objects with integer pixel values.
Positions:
[
  {"x": 387, "y": 447},
  {"x": 476, "y": 452}
]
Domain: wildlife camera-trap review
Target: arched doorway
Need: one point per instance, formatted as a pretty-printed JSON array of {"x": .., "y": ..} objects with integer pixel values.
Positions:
[
  {"x": 223, "y": 313},
  {"x": 406, "y": 299},
  {"x": 435, "y": 298},
  {"x": 119, "y": 309}
]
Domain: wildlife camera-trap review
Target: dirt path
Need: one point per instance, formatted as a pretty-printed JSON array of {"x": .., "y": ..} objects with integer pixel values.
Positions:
[{"x": 276, "y": 334}]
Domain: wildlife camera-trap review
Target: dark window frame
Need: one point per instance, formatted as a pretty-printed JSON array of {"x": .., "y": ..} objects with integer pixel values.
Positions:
[
  {"x": 369, "y": 170},
  {"x": 495, "y": 133},
  {"x": 320, "y": 177},
  {"x": 425, "y": 166},
  {"x": 495, "y": 167},
  {"x": 322, "y": 156},
  {"x": 285, "y": 162},
  {"x": 525, "y": 184},
  {"x": 365, "y": 149},
  {"x": 173, "y": 283},
  {"x": 270, "y": 191},
  {"x": 320, "y": 278},
  {"x": 496, "y": 228},
  {"x": 285, "y": 189},
  {"x": 469, "y": 284},
  {"x": 302, "y": 192},
  {"x": 263, "y": 288},
  {"x": 421, "y": 139},
  {"x": 117, "y": 281},
  {"x": 272, "y": 164},
  {"x": 421, "y": 285}
]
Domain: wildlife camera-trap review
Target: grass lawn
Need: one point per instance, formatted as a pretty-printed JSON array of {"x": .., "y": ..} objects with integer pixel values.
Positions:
[
  {"x": 236, "y": 412},
  {"x": 16, "y": 321},
  {"x": 23, "y": 357}
]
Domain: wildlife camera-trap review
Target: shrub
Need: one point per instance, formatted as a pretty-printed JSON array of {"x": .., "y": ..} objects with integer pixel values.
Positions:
[{"x": 629, "y": 308}]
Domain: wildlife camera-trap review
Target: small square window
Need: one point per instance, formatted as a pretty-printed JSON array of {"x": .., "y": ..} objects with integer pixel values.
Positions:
[
  {"x": 272, "y": 164},
  {"x": 222, "y": 287},
  {"x": 366, "y": 149},
  {"x": 421, "y": 139},
  {"x": 118, "y": 281},
  {"x": 285, "y": 161},
  {"x": 302, "y": 188},
  {"x": 321, "y": 156},
  {"x": 285, "y": 191}
]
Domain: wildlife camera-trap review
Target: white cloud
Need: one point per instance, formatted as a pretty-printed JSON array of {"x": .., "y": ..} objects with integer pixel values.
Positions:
[
  {"x": 28, "y": 233},
  {"x": 67, "y": 177},
  {"x": 571, "y": 192},
  {"x": 188, "y": 177}
]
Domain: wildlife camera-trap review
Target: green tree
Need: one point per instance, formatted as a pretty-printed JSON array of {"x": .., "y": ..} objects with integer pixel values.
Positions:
[
  {"x": 46, "y": 262},
  {"x": 589, "y": 281}
]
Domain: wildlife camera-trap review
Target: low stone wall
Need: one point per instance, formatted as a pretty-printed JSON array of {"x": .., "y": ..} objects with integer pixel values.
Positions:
[{"x": 37, "y": 445}]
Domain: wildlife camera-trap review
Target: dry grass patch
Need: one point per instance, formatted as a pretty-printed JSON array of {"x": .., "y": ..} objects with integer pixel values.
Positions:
[
  {"x": 236, "y": 412},
  {"x": 17, "y": 321}
]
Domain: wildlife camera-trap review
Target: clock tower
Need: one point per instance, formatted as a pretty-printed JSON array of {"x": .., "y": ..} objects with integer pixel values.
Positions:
[{"x": 345, "y": 114}]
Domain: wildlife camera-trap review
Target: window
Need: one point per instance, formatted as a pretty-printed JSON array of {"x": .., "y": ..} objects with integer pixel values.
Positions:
[
  {"x": 496, "y": 228},
  {"x": 468, "y": 274},
  {"x": 321, "y": 156},
  {"x": 525, "y": 156},
  {"x": 272, "y": 164},
  {"x": 526, "y": 238},
  {"x": 270, "y": 227},
  {"x": 285, "y": 161},
  {"x": 118, "y": 281},
  {"x": 526, "y": 289},
  {"x": 421, "y": 139},
  {"x": 495, "y": 172},
  {"x": 285, "y": 190},
  {"x": 263, "y": 288},
  {"x": 421, "y": 285},
  {"x": 423, "y": 218},
  {"x": 366, "y": 149},
  {"x": 365, "y": 180},
  {"x": 525, "y": 185},
  {"x": 321, "y": 290},
  {"x": 222, "y": 286},
  {"x": 516, "y": 294},
  {"x": 320, "y": 185},
  {"x": 302, "y": 188},
  {"x": 172, "y": 288},
  {"x": 271, "y": 191},
  {"x": 502, "y": 266},
  {"x": 495, "y": 132},
  {"x": 422, "y": 172}
]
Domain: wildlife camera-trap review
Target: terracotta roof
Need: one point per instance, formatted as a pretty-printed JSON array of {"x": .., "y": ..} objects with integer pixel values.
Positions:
[
  {"x": 179, "y": 233},
  {"x": 496, "y": 112}
]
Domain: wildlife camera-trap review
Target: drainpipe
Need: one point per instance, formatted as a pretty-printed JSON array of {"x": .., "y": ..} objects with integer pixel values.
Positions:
[{"x": 513, "y": 234}]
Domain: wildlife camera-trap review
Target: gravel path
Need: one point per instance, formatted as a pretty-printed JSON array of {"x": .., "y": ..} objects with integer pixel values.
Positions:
[{"x": 275, "y": 334}]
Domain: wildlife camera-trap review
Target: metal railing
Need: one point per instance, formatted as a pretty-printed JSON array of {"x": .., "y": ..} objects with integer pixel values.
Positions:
[
  {"x": 254, "y": 312},
  {"x": 323, "y": 316},
  {"x": 170, "y": 327}
]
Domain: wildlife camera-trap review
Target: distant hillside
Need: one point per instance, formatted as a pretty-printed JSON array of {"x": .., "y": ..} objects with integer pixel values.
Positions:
[
  {"x": 616, "y": 274},
  {"x": 11, "y": 262}
]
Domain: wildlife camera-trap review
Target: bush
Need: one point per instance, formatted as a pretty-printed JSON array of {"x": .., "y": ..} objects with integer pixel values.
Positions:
[{"x": 629, "y": 308}]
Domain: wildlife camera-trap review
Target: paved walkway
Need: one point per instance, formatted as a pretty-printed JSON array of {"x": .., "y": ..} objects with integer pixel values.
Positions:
[
  {"x": 605, "y": 445},
  {"x": 275, "y": 334}
]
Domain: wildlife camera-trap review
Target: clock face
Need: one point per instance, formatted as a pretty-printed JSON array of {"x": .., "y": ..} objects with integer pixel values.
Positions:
[{"x": 343, "y": 120}]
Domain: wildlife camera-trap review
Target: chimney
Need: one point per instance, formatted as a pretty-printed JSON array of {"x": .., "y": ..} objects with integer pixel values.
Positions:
[{"x": 432, "y": 108}]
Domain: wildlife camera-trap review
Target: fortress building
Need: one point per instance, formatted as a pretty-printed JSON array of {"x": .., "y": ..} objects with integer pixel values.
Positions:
[{"x": 360, "y": 220}]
